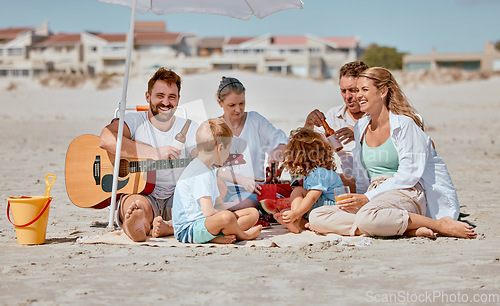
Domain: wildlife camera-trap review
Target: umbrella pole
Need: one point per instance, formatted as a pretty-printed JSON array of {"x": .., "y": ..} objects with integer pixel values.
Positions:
[{"x": 121, "y": 116}]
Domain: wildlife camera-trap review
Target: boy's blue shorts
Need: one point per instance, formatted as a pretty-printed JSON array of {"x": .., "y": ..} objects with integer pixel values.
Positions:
[
  {"x": 196, "y": 232},
  {"x": 200, "y": 232}
]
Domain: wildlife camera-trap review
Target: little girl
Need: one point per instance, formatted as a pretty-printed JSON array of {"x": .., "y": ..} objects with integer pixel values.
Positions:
[{"x": 309, "y": 154}]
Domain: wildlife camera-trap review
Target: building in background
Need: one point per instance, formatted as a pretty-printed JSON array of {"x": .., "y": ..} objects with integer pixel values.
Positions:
[
  {"x": 58, "y": 53},
  {"x": 15, "y": 50},
  {"x": 487, "y": 62},
  {"x": 303, "y": 56},
  {"x": 28, "y": 52},
  {"x": 103, "y": 53}
]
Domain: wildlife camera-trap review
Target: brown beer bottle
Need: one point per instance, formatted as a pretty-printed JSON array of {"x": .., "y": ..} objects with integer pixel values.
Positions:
[
  {"x": 272, "y": 175},
  {"x": 180, "y": 138},
  {"x": 330, "y": 135}
]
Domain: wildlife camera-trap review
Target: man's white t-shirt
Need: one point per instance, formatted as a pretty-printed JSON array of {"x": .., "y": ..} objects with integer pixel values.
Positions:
[{"x": 142, "y": 130}]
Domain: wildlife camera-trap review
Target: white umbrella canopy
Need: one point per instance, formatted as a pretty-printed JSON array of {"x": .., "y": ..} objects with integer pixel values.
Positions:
[{"x": 241, "y": 9}]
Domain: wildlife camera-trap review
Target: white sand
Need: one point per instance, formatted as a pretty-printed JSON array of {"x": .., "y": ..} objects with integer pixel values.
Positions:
[{"x": 38, "y": 124}]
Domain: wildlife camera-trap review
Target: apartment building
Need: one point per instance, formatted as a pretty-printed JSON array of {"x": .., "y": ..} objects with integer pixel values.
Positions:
[
  {"x": 303, "y": 56},
  {"x": 58, "y": 53},
  {"x": 15, "y": 50},
  {"x": 487, "y": 62},
  {"x": 95, "y": 53},
  {"x": 30, "y": 52}
]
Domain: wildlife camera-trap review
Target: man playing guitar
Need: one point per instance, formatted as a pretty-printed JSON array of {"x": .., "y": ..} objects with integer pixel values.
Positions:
[{"x": 156, "y": 134}]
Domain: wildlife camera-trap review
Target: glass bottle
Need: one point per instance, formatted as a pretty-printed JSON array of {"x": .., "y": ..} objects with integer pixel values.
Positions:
[
  {"x": 330, "y": 135},
  {"x": 272, "y": 175},
  {"x": 180, "y": 138}
]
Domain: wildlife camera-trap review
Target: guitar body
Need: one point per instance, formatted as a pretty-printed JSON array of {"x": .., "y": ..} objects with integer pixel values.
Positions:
[{"x": 89, "y": 174}]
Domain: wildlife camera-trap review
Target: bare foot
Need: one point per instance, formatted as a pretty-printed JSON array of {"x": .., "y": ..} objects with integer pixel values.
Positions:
[
  {"x": 292, "y": 227},
  {"x": 453, "y": 228},
  {"x": 253, "y": 232},
  {"x": 134, "y": 225},
  {"x": 227, "y": 239},
  {"x": 421, "y": 232},
  {"x": 162, "y": 228},
  {"x": 309, "y": 227}
]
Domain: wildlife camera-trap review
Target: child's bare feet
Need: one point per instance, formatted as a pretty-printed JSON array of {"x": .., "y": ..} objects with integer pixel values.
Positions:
[
  {"x": 421, "y": 232},
  {"x": 292, "y": 227},
  {"x": 227, "y": 239},
  {"x": 162, "y": 228},
  {"x": 453, "y": 228},
  {"x": 134, "y": 225},
  {"x": 253, "y": 232}
]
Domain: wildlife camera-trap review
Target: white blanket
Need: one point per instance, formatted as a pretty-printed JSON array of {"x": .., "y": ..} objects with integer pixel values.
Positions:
[{"x": 273, "y": 236}]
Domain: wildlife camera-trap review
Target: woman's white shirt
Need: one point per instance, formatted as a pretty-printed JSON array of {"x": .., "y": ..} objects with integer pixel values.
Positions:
[
  {"x": 418, "y": 163},
  {"x": 257, "y": 138}
]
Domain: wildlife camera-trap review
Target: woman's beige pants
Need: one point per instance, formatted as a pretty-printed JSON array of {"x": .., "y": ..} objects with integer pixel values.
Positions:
[{"x": 385, "y": 215}]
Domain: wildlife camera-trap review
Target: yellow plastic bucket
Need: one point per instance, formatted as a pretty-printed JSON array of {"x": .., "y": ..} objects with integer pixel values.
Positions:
[{"x": 30, "y": 215}]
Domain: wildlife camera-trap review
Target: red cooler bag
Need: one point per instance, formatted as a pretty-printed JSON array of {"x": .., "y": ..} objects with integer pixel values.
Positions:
[{"x": 274, "y": 198}]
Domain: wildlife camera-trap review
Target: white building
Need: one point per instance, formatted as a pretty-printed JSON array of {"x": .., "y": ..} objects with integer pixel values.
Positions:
[
  {"x": 95, "y": 53},
  {"x": 304, "y": 56},
  {"x": 15, "y": 50},
  {"x": 487, "y": 62},
  {"x": 33, "y": 51}
]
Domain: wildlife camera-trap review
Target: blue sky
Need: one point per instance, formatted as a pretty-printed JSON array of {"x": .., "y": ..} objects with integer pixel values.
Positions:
[{"x": 413, "y": 26}]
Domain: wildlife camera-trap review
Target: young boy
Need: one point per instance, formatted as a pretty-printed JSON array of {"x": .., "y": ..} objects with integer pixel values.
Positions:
[{"x": 196, "y": 195}]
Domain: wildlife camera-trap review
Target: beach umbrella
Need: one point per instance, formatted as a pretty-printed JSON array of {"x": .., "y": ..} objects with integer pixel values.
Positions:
[{"x": 241, "y": 9}]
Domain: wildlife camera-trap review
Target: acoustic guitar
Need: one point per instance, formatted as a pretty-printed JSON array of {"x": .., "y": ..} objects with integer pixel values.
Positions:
[{"x": 89, "y": 172}]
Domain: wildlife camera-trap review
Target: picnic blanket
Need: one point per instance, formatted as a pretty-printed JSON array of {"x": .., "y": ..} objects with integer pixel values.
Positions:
[{"x": 273, "y": 236}]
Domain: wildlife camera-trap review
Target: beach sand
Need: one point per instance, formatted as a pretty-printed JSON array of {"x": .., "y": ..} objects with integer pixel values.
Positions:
[{"x": 39, "y": 123}]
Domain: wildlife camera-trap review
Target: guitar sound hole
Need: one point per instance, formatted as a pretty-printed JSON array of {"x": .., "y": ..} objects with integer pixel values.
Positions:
[{"x": 124, "y": 168}]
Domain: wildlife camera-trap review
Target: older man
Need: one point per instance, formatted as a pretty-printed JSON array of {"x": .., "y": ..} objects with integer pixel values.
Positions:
[{"x": 343, "y": 117}]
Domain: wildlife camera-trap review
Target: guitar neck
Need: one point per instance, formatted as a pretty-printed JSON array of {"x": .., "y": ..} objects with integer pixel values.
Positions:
[{"x": 153, "y": 165}]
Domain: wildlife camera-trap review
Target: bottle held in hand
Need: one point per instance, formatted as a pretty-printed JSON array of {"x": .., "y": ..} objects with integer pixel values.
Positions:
[
  {"x": 180, "y": 138},
  {"x": 330, "y": 135}
]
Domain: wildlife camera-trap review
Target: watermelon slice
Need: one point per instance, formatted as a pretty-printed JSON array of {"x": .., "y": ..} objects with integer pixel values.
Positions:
[{"x": 272, "y": 206}]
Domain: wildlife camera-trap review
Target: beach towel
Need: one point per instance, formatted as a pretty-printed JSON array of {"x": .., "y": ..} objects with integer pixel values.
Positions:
[{"x": 273, "y": 236}]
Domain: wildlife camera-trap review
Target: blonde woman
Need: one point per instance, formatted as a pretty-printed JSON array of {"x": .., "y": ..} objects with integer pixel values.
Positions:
[{"x": 403, "y": 186}]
